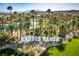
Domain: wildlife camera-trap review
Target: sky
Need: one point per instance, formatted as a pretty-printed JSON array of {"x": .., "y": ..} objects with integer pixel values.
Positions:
[{"x": 39, "y": 6}]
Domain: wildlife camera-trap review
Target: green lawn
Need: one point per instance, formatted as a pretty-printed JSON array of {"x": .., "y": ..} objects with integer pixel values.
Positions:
[{"x": 70, "y": 49}]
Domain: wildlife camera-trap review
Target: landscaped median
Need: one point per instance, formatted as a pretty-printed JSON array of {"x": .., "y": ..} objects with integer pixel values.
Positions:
[{"x": 69, "y": 49}]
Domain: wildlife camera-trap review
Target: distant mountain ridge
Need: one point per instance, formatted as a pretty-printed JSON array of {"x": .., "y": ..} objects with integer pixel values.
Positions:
[
  {"x": 68, "y": 11},
  {"x": 62, "y": 11},
  {"x": 40, "y": 11}
]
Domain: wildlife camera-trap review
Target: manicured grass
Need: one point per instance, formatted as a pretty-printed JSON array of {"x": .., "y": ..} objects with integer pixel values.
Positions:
[{"x": 70, "y": 49}]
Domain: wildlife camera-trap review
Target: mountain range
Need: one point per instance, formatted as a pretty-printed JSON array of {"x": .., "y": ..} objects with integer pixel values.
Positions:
[{"x": 40, "y": 11}]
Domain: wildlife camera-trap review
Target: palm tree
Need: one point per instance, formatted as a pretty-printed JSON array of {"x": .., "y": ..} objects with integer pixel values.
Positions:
[
  {"x": 48, "y": 16},
  {"x": 15, "y": 16},
  {"x": 20, "y": 25},
  {"x": 77, "y": 22},
  {"x": 73, "y": 23},
  {"x": 10, "y": 8},
  {"x": 33, "y": 17},
  {"x": 62, "y": 33},
  {"x": 51, "y": 26},
  {"x": 27, "y": 24},
  {"x": 40, "y": 30},
  {"x": 37, "y": 17},
  {"x": 49, "y": 11},
  {"x": 1, "y": 20},
  {"x": 55, "y": 21},
  {"x": 40, "y": 23},
  {"x": 15, "y": 12},
  {"x": 15, "y": 21}
]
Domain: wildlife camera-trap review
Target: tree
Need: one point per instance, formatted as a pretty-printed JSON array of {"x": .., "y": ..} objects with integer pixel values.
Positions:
[
  {"x": 1, "y": 20},
  {"x": 15, "y": 12},
  {"x": 27, "y": 24},
  {"x": 62, "y": 33},
  {"x": 10, "y": 8},
  {"x": 48, "y": 16},
  {"x": 33, "y": 17},
  {"x": 49, "y": 11},
  {"x": 15, "y": 20},
  {"x": 11, "y": 28},
  {"x": 20, "y": 25}
]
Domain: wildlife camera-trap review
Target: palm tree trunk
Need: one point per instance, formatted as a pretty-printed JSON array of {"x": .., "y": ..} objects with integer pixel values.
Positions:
[
  {"x": 10, "y": 16},
  {"x": 17, "y": 31},
  {"x": 36, "y": 28},
  {"x": 33, "y": 25},
  {"x": 45, "y": 23},
  {"x": 10, "y": 23},
  {"x": 51, "y": 32},
  {"x": 36, "y": 22},
  {"x": 3, "y": 26},
  {"x": 20, "y": 30}
]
